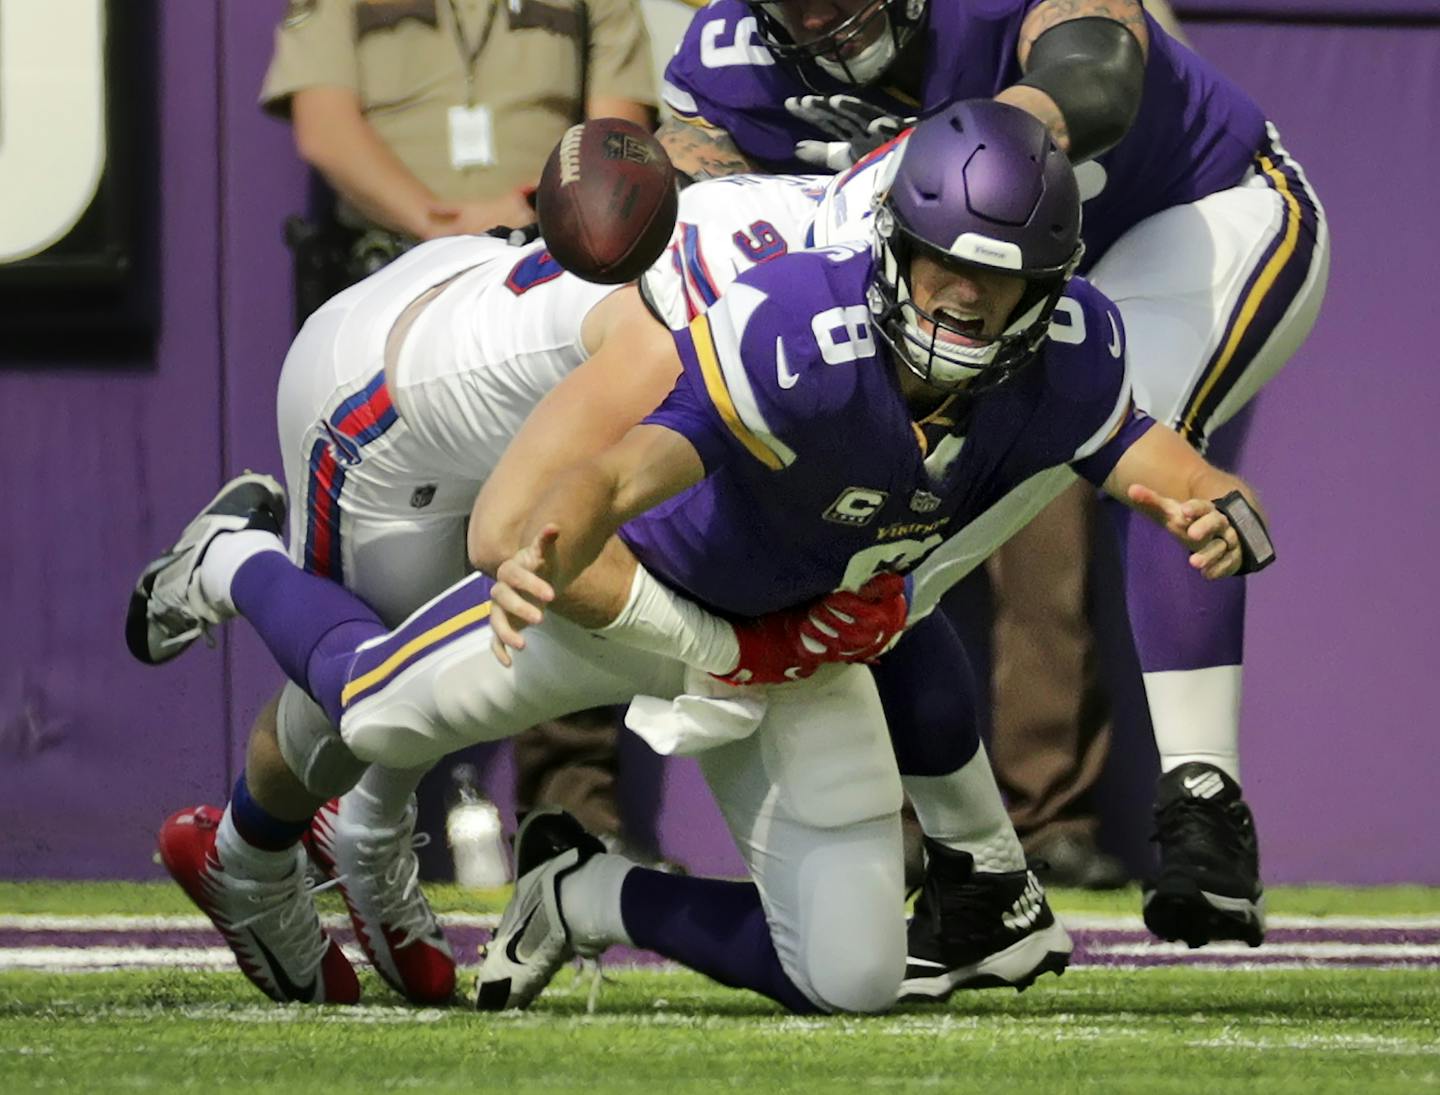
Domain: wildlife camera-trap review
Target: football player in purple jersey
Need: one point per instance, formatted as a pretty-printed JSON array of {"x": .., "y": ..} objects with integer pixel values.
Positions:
[
  {"x": 961, "y": 351},
  {"x": 1198, "y": 225}
]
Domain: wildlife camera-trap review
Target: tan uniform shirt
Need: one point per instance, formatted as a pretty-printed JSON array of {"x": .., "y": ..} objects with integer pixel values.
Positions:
[{"x": 528, "y": 64}]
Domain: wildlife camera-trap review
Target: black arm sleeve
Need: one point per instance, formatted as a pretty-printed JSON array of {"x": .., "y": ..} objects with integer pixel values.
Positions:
[{"x": 1094, "y": 69}]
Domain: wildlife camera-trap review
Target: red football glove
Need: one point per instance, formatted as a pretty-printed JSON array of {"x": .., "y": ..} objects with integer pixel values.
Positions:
[
  {"x": 857, "y": 627},
  {"x": 839, "y": 627}
]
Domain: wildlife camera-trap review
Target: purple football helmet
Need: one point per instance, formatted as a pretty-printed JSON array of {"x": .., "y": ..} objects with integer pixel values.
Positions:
[
  {"x": 834, "y": 52},
  {"x": 979, "y": 184}
]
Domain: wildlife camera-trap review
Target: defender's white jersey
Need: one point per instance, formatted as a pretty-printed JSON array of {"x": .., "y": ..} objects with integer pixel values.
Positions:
[
  {"x": 726, "y": 226},
  {"x": 483, "y": 352}
]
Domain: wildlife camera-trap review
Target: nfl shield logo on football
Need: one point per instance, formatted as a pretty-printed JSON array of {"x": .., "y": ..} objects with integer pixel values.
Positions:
[{"x": 922, "y": 501}]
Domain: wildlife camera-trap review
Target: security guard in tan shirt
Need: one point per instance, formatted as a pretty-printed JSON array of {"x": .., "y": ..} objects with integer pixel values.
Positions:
[{"x": 433, "y": 117}]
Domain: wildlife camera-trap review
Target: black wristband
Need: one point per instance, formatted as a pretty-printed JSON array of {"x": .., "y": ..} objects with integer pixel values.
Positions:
[
  {"x": 1094, "y": 70},
  {"x": 1256, "y": 550}
]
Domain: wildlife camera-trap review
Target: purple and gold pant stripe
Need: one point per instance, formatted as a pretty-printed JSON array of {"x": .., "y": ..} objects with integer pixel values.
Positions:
[
  {"x": 359, "y": 419},
  {"x": 1268, "y": 293},
  {"x": 459, "y": 611}
]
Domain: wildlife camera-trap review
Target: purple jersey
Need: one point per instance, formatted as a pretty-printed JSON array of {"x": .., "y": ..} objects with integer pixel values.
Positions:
[
  {"x": 1196, "y": 132},
  {"x": 817, "y": 477}
]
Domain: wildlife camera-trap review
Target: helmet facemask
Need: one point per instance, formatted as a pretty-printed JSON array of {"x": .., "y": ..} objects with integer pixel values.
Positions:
[
  {"x": 941, "y": 363},
  {"x": 827, "y": 51}
]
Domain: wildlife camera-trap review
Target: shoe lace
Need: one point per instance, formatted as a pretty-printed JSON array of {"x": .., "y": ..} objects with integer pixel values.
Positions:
[
  {"x": 293, "y": 924},
  {"x": 387, "y": 864},
  {"x": 182, "y": 629},
  {"x": 589, "y": 973},
  {"x": 597, "y": 978}
]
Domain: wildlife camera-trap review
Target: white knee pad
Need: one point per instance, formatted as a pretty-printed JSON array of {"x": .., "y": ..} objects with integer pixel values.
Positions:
[
  {"x": 312, "y": 747},
  {"x": 851, "y": 952}
]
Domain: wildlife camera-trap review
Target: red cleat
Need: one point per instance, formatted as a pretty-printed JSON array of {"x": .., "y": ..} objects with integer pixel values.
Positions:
[
  {"x": 378, "y": 875},
  {"x": 272, "y": 927}
]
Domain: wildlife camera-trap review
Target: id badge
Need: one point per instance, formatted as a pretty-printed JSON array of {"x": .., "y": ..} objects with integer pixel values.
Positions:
[{"x": 472, "y": 137}]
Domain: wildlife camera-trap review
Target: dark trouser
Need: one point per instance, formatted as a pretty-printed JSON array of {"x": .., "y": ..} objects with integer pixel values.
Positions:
[
  {"x": 1051, "y": 719},
  {"x": 572, "y": 763}
]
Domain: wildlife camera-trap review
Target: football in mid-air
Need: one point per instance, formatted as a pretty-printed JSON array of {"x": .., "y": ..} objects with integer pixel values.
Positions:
[{"x": 607, "y": 200}]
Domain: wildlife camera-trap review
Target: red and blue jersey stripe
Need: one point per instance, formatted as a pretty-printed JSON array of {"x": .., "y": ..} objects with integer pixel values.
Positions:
[{"x": 359, "y": 420}]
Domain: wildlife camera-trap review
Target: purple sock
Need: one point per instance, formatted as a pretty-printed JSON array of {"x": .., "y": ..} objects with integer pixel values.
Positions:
[
  {"x": 928, "y": 690},
  {"x": 259, "y": 828},
  {"x": 310, "y": 624},
  {"x": 1180, "y": 621},
  {"x": 714, "y": 927}
]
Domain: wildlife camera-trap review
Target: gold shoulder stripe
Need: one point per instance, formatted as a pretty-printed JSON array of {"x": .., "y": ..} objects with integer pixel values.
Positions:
[
  {"x": 425, "y": 639},
  {"x": 719, "y": 394}
]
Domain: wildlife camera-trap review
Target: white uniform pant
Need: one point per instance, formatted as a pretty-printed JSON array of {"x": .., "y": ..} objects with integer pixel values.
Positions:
[
  {"x": 372, "y": 506},
  {"x": 812, "y": 796}
]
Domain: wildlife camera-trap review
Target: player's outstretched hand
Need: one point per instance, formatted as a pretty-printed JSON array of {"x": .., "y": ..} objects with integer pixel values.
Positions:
[
  {"x": 1213, "y": 543},
  {"x": 519, "y": 592}
]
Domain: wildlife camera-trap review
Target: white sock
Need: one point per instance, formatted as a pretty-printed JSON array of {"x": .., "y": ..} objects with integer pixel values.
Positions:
[
  {"x": 225, "y": 555},
  {"x": 1196, "y": 715},
  {"x": 590, "y": 898},
  {"x": 382, "y": 797},
  {"x": 964, "y": 811},
  {"x": 658, "y": 620},
  {"x": 247, "y": 861}
]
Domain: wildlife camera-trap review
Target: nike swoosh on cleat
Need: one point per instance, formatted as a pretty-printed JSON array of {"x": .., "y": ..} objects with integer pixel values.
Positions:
[
  {"x": 512, "y": 948},
  {"x": 1207, "y": 785},
  {"x": 926, "y": 962},
  {"x": 291, "y": 991}
]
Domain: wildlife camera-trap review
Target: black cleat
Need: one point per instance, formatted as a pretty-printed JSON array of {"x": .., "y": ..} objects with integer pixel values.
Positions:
[
  {"x": 168, "y": 611},
  {"x": 1208, "y": 887},
  {"x": 978, "y": 930}
]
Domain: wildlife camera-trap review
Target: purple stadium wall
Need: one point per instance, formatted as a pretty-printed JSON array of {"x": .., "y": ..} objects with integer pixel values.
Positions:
[{"x": 102, "y": 464}]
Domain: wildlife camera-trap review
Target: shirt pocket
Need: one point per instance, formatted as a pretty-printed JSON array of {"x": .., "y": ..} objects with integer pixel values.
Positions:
[
  {"x": 544, "y": 54},
  {"x": 402, "y": 50}
]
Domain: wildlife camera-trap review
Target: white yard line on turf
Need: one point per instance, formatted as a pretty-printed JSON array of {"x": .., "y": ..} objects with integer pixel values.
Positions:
[
  {"x": 44, "y": 922},
  {"x": 1105, "y": 922},
  {"x": 76, "y": 959},
  {"x": 1287, "y": 950}
]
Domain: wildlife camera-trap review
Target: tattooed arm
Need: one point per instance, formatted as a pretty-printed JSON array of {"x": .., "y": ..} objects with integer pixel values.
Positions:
[
  {"x": 1130, "y": 14},
  {"x": 700, "y": 151},
  {"x": 1041, "y": 101}
]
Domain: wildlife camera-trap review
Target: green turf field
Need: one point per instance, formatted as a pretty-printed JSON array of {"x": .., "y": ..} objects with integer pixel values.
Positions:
[
  {"x": 163, "y": 898},
  {"x": 1166, "y": 1029}
]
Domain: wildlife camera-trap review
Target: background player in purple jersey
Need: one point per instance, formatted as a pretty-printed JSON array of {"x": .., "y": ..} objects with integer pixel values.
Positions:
[
  {"x": 963, "y": 297},
  {"x": 1198, "y": 225}
]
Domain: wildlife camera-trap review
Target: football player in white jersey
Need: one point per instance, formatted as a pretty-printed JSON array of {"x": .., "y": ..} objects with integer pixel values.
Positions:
[{"x": 396, "y": 400}]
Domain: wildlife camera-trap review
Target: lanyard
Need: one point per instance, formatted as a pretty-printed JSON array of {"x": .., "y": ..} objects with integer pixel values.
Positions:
[{"x": 469, "y": 56}]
